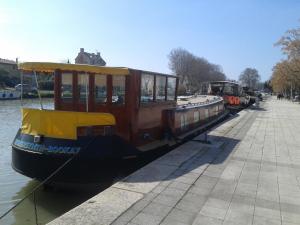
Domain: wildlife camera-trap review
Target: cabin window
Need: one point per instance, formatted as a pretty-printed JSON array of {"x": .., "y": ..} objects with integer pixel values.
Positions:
[
  {"x": 206, "y": 113},
  {"x": 118, "y": 90},
  {"x": 83, "y": 81},
  {"x": 216, "y": 89},
  {"x": 171, "y": 88},
  {"x": 100, "y": 89},
  {"x": 67, "y": 86},
  {"x": 160, "y": 88},
  {"x": 147, "y": 84},
  {"x": 183, "y": 121},
  {"x": 196, "y": 116},
  {"x": 220, "y": 107},
  {"x": 231, "y": 89},
  {"x": 228, "y": 89}
]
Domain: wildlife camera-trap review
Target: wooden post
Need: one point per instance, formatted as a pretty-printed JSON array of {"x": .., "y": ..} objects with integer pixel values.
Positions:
[{"x": 57, "y": 89}]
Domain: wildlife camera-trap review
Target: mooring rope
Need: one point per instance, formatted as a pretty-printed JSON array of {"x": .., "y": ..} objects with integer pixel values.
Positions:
[
  {"x": 46, "y": 180},
  {"x": 35, "y": 209},
  {"x": 39, "y": 185}
]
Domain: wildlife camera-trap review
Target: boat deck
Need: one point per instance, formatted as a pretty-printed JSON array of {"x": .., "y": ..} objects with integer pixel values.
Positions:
[{"x": 196, "y": 100}]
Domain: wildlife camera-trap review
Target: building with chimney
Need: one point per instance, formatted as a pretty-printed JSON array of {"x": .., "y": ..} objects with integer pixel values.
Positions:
[{"x": 89, "y": 58}]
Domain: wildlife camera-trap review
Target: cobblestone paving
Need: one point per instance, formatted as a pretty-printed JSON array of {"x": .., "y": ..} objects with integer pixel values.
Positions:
[{"x": 250, "y": 174}]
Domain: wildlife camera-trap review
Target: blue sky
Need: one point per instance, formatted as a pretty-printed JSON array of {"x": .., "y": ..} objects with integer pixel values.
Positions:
[{"x": 140, "y": 34}]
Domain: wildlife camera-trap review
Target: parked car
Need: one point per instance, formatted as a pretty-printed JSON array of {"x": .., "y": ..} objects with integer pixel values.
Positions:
[{"x": 26, "y": 88}]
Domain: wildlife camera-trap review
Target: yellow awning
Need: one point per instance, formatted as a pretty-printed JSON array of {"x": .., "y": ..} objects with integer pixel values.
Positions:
[
  {"x": 61, "y": 124},
  {"x": 48, "y": 67}
]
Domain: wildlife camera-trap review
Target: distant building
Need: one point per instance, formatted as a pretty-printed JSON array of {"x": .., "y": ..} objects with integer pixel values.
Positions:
[
  {"x": 9, "y": 73},
  {"x": 9, "y": 65},
  {"x": 89, "y": 58}
]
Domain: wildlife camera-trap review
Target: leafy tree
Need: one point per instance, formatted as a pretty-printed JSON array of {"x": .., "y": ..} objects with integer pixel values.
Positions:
[
  {"x": 8, "y": 80},
  {"x": 286, "y": 74},
  {"x": 250, "y": 78}
]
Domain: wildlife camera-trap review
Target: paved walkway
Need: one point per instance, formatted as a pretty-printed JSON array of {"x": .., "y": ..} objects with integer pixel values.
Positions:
[{"x": 250, "y": 174}]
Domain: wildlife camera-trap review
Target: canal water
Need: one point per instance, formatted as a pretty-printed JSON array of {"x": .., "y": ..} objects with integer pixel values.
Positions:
[
  {"x": 50, "y": 202},
  {"x": 13, "y": 186}
]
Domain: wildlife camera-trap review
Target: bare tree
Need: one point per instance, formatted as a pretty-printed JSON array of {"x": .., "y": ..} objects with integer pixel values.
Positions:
[
  {"x": 250, "y": 78},
  {"x": 193, "y": 70},
  {"x": 290, "y": 43},
  {"x": 181, "y": 62}
]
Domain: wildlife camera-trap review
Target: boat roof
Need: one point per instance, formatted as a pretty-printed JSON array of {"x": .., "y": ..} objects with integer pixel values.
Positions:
[
  {"x": 50, "y": 67},
  {"x": 224, "y": 81}
]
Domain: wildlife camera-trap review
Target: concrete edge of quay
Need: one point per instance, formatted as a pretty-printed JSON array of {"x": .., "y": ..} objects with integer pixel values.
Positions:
[{"x": 107, "y": 206}]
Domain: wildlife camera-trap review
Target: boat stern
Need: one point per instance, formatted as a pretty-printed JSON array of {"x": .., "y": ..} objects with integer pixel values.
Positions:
[{"x": 47, "y": 138}]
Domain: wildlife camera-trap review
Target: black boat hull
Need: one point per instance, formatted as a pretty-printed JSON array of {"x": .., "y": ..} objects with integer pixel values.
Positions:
[{"x": 93, "y": 158}]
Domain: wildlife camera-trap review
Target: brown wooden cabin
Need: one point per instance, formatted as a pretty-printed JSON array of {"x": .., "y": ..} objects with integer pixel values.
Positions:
[
  {"x": 136, "y": 100},
  {"x": 143, "y": 103}
]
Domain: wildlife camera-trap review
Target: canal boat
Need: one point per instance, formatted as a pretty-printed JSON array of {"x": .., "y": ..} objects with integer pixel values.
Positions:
[
  {"x": 9, "y": 94},
  {"x": 232, "y": 93},
  {"x": 103, "y": 116}
]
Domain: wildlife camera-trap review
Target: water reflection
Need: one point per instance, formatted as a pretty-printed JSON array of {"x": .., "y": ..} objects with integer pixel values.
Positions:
[
  {"x": 14, "y": 186},
  {"x": 50, "y": 203}
]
